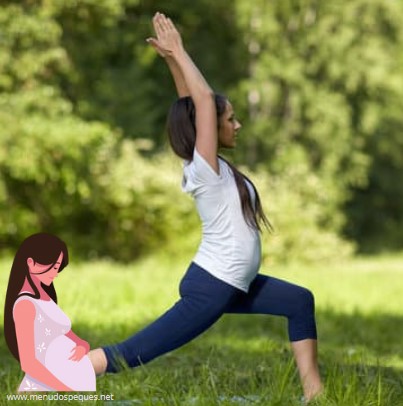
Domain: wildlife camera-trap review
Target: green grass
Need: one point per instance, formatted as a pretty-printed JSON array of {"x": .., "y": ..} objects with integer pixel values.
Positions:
[{"x": 242, "y": 360}]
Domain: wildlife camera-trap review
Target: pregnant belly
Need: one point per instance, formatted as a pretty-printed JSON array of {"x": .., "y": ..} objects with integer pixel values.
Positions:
[{"x": 78, "y": 375}]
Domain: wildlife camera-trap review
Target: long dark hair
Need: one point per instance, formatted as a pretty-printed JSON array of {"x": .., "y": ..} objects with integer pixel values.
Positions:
[
  {"x": 182, "y": 137},
  {"x": 42, "y": 248}
]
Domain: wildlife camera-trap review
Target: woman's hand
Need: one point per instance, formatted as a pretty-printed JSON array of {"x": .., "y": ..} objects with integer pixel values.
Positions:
[
  {"x": 168, "y": 41},
  {"x": 82, "y": 347},
  {"x": 78, "y": 352}
]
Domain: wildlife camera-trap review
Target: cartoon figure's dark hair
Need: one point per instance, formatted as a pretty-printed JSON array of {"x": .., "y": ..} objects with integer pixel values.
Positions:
[
  {"x": 182, "y": 138},
  {"x": 42, "y": 248}
]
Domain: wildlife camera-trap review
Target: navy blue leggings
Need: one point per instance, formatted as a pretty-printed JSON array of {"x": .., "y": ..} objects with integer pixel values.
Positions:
[{"x": 204, "y": 299}]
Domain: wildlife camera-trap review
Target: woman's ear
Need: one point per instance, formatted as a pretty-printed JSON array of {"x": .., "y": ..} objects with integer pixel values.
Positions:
[{"x": 30, "y": 262}]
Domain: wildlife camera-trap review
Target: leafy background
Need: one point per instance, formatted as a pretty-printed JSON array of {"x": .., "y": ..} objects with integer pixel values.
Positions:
[{"x": 83, "y": 102}]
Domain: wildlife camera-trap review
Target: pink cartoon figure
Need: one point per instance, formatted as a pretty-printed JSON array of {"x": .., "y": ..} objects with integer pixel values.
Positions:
[{"x": 38, "y": 333}]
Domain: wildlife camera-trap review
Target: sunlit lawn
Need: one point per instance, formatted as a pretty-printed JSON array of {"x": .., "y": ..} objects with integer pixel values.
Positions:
[{"x": 242, "y": 359}]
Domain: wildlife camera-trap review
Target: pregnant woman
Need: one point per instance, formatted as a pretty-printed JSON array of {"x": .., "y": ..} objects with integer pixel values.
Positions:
[
  {"x": 223, "y": 276},
  {"x": 37, "y": 331}
]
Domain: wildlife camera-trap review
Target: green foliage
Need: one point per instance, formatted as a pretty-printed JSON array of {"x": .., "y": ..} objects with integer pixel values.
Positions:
[
  {"x": 83, "y": 100},
  {"x": 118, "y": 78},
  {"x": 95, "y": 190},
  {"x": 375, "y": 210},
  {"x": 61, "y": 174},
  {"x": 296, "y": 211},
  {"x": 320, "y": 74}
]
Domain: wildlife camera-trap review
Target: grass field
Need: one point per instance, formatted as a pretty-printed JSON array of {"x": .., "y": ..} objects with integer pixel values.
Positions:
[{"x": 242, "y": 360}]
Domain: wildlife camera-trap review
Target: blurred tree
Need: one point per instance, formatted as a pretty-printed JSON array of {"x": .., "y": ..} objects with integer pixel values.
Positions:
[
  {"x": 31, "y": 61},
  {"x": 60, "y": 173},
  {"x": 317, "y": 85},
  {"x": 375, "y": 210},
  {"x": 320, "y": 74},
  {"x": 118, "y": 78}
]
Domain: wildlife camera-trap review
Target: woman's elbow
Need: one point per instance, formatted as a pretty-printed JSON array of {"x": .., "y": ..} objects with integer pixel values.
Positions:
[
  {"x": 209, "y": 94},
  {"x": 205, "y": 97}
]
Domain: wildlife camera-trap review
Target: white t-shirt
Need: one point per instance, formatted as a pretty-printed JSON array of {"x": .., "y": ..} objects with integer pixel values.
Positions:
[{"x": 230, "y": 249}]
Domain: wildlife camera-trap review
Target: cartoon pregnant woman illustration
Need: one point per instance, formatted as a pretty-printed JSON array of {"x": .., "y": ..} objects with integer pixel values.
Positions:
[{"x": 37, "y": 331}]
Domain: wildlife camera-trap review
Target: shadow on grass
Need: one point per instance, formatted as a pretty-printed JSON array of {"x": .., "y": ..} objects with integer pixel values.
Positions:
[
  {"x": 355, "y": 349},
  {"x": 380, "y": 334}
]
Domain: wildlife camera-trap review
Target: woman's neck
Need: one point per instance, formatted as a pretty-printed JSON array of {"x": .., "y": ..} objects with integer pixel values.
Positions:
[{"x": 26, "y": 287}]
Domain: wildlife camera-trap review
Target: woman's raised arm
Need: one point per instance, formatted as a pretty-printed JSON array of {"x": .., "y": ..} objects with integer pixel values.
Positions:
[
  {"x": 169, "y": 42},
  {"x": 176, "y": 73}
]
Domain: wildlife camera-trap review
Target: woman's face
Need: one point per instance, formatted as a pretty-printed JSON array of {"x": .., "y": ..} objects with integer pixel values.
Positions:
[
  {"x": 38, "y": 271},
  {"x": 228, "y": 128}
]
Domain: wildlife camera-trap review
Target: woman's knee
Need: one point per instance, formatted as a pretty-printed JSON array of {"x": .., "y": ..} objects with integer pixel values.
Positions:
[
  {"x": 305, "y": 301},
  {"x": 302, "y": 323}
]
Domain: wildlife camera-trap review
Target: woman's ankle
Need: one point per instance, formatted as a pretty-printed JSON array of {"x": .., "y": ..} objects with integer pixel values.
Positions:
[{"x": 312, "y": 390}]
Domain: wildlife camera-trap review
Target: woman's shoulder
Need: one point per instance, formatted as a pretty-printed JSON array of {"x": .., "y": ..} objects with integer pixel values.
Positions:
[
  {"x": 25, "y": 297},
  {"x": 24, "y": 305}
]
